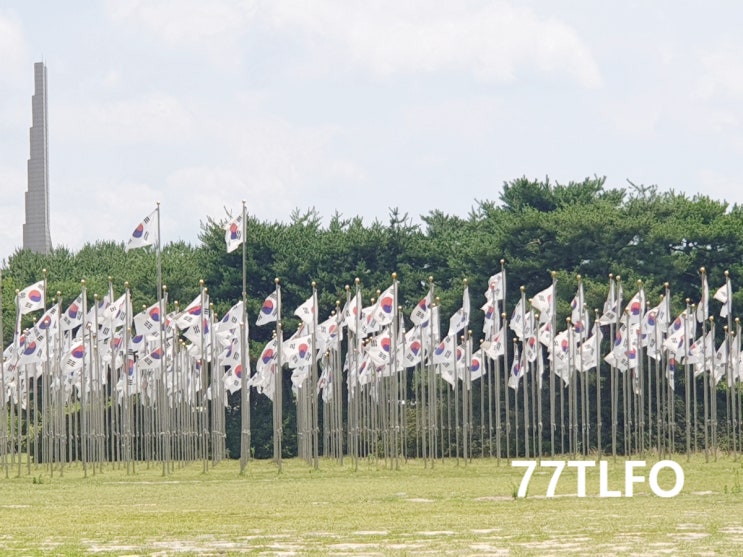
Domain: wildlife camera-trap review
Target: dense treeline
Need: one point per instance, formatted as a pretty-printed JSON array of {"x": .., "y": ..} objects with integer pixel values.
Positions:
[{"x": 536, "y": 227}]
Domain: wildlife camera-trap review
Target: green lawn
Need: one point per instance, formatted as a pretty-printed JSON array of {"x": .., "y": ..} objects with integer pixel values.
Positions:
[{"x": 449, "y": 509}]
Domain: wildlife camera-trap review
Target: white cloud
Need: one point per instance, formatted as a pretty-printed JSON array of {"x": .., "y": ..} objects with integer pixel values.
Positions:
[
  {"x": 12, "y": 212},
  {"x": 154, "y": 118},
  {"x": 212, "y": 28},
  {"x": 722, "y": 72},
  {"x": 13, "y": 61},
  {"x": 496, "y": 41},
  {"x": 92, "y": 209},
  {"x": 272, "y": 164},
  {"x": 493, "y": 41},
  {"x": 635, "y": 116},
  {"x": 718, "y": 185},
  {"x": 469, "y": 118},
  {"x": 184, "y": 21}
]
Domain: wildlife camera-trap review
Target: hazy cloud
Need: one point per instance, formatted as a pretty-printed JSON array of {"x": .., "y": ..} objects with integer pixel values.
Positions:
[
  {"x": 155, "y": 118},
  {"x": 491, "y": 40},
  {"x": 13, "y": 47}
]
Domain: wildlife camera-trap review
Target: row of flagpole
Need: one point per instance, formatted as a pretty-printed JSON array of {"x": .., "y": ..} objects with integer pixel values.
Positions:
[{"x": 106, "y": 385}]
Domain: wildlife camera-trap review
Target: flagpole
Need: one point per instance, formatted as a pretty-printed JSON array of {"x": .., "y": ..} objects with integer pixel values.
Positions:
[
  {"x": 713, "y": 388},
  {"x": 4, "y": 445},
  {"x": 19, "y": 410},
  {"x": 582, "y": 335},
  {"x": 356, "y": 396},
  {"x": 731, "y": 380},
  {"x": 112, "y": 426},
  {"x": 553, "y": 317},
  {"x": 687, "y": 378},
  {"x": 398, "y": 381},
  {"x": 572, "y": 393},
  {"x": 640, "y": 374},
  {"x": 278, "y": 384},
  {"x": 597, "y": 348},
  {"x": 493, "y": 385},
  {"x": 244, "y": 347},
  {"x": 626, "y": 412},
  {"x": 92, "y": 448},
  {"x": 15, "y": 417},
  {"x": 669, "y": 392},
  {"x": 314, "y": 399},
  {"x": 421, "y": 411},
  {"x": 352, "y": 382},
  {"x": 158, "y": 262},
  {"x": 614, "y": 387},
  {"x": 516, "y": 397},
  {"x": 708, "y": 390},
  {"x": 524, "y": 374},
  {"x": 58, "y": 403},
  {"x": 658, "y": 388},
  {"x": 705, "y": 391},
  {"x": 125, "y": 420},
  {"x": 466, "y": 392},
  {"x": 428, "y": 386},
  {"x": 83, "y": 379},
  {"x": 489, "y": 370},
  {"x": 737, "y": 396},
  {"x": 585, "y": 403},
  {"x": 38, "y": 438},
  {"x": 337, "y": 382}
]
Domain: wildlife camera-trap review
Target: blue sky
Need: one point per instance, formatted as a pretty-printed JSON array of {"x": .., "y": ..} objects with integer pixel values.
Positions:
[{"x": 359, "y": 106}]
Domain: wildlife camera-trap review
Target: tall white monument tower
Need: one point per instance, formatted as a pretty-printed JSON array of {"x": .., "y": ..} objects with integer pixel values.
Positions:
[{"x": 36, "y": 235}]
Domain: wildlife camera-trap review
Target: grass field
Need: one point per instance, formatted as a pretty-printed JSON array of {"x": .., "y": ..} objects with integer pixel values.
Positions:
[{"x": 450, "y": 509}]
